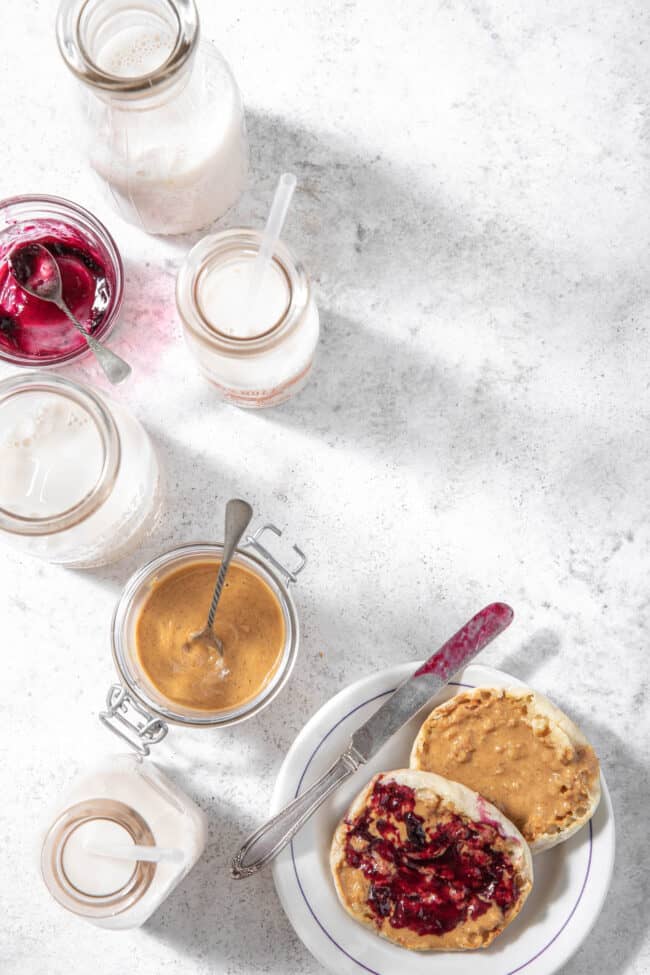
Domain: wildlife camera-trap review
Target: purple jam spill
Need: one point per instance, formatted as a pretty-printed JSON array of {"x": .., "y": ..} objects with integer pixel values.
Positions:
[
  {"x": 465, "y": 644},
  {"x": 37, "y": 329},
  {"x": 435, "y": 879}
]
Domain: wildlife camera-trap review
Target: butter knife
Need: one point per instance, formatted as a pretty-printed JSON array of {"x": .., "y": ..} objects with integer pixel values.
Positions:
[{"x": 407, "y": 699}]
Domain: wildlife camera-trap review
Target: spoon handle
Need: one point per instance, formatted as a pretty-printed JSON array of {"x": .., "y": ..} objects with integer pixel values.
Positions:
[
  {"x": 216, "y": 595},
  {"x": 115, "y": 368},
  {"x": 238, "y": 516}
]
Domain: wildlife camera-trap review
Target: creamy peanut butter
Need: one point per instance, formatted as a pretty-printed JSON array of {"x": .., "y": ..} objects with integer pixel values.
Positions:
[
  {"x": 249, "y": 622},
  {"x": 499, "y": 745}
]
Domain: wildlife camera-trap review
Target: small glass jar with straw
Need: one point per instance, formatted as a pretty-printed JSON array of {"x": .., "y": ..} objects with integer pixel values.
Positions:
[
  {"x": 119, "y": 842},
  {"x": 248, "y": 312}
]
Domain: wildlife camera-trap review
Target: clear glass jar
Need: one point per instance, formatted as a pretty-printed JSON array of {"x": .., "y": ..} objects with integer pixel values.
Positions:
[
  {"x": 137, "y": 711},
  {"x": 273, "y": 363},
  {"x": 123, "y": 801},
  {"x": 79, "y": 478},
  {"x": 55, "y": 342},
  {"x": 164, "y": 118}
]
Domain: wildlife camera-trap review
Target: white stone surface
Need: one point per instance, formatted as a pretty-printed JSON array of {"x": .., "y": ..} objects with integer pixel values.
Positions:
[{"x": 473, "y": 207}]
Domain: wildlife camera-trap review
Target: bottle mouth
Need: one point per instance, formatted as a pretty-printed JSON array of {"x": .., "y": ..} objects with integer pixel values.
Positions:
[
  {"x": 65, "y": 888},
  {"x": 86, "y": 401},
  {"x": 87, "y": 29},
  {"x": 217, "y": 265},
  {"x": 214, "y": 252}
]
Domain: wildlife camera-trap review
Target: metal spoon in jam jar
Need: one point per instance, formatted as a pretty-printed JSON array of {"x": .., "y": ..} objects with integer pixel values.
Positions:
[
  {"x": 238, "y": 516},
  {"x": 38, "y": 273}
]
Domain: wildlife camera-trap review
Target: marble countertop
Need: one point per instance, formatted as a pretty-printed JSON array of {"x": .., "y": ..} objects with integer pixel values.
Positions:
[{"x": 473, "y": 208}]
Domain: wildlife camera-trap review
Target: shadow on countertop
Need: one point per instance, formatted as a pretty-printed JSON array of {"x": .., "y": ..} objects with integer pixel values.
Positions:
[
  {"x": 357, "y": 223},
  {"x": 532, "y": 654},
  {"x": 619, "y": 930},
  {"x": 198, "y": 919},
  {"x": 369, "y": 227}
]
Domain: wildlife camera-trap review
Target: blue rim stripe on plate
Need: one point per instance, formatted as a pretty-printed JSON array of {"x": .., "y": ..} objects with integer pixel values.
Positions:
[{"x": 320, "y": 924}]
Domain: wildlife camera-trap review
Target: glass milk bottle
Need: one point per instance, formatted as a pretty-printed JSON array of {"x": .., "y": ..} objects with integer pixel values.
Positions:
[
  {"x": 79, "y": 478},
  {"x": 123, "y": 803},
  {"x": 258, "y": 363},
  {"x": 164, "y": 118}
]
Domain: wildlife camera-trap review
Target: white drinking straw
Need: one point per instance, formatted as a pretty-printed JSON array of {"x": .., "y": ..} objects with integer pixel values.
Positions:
[
  {"x": 152, "y": 854},
  {"x": 270, "y": 237}
]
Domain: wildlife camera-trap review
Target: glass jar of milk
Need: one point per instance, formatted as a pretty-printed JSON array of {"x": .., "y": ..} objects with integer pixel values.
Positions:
[
  {"x": 79, "y": 478},
  {"x": 120, "y": 841},
  {"x": 252, "y": 362},
  {"x": 165, "y": 122}
]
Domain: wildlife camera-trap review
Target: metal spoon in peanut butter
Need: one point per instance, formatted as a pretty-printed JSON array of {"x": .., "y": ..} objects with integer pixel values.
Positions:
[{"x": 238, "y": 516}]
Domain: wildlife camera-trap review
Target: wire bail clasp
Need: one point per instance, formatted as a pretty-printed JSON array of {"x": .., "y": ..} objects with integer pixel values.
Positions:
[
  {"x": 290, "y": 575},
  {"x": 130, "y": 721}
]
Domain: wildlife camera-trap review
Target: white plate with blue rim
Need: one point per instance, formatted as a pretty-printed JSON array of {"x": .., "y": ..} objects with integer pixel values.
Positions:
[{"x": 570, "y": 883}]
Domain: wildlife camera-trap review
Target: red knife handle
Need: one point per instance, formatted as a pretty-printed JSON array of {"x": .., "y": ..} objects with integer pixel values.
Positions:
[{"x": 469, "y": 640}]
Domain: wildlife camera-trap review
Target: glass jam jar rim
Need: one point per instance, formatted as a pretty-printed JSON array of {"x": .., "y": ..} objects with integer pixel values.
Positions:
[
  {"x": 85, "y": 397},
  {"x": 220, "y": 245},
  {"x": 146, "y": 574},
  {"x": 77, "y": 58},
  {"x": 62, "y": 208}
]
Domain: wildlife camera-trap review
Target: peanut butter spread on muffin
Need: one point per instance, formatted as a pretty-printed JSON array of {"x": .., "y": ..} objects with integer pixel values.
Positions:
[{"x": 520, "y": 752}]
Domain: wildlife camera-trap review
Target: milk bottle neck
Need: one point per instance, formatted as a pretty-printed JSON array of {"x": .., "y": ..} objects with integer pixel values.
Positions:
[
  {"x": 136, "y": 54},
  {"x": 91, "y": 886}
]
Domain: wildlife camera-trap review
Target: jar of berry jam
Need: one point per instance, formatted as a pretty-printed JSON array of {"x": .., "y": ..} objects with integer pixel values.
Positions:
[{"x": 34, "y": 332}]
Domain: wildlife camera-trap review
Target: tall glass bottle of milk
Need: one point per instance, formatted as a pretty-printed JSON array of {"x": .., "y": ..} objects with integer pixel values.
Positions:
[{"x": 164, "y": 117}]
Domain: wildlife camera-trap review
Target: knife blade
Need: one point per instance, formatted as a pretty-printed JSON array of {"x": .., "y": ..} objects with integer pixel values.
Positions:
[
  {"x": 407, "y": 699},
  {"x": 414, "y": 692}
]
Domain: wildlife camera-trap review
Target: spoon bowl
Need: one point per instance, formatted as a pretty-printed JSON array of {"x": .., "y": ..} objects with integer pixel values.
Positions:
[
  {"x": 206, "y": 644},
  {"x": 38, "y": 274}
]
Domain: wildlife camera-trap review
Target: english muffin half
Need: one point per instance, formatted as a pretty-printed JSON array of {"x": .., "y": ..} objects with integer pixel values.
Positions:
[
  {"x": 429, "y": 864},
  {"x": 519, "y": 751}
]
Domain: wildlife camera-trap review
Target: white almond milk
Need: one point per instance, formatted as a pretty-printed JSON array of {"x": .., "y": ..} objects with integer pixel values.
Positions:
[
  {"x": 42, "y": 437},
  {"x": 135, "y": 50},
  {"x": 98, "y": 876},
  {"x": 177, "y": 162},
  {"x": 55, "y": 445},
  {"x": 223, "y": 295},
  {"x": 255, "y": 360},
  {"x": 103, "y": 806},
  {"x": 163, "y": 120}
]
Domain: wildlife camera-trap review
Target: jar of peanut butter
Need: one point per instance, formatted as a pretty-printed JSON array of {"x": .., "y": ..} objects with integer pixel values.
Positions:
[{"x": 164, "y": 678}]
